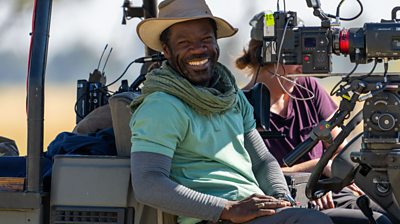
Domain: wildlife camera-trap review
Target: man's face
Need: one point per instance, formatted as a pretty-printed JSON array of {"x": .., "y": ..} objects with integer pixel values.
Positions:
[{"x": 192, "y": 50}]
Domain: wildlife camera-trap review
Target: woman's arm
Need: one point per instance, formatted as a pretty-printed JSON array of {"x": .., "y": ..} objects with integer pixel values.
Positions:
[{"x": 308, "y": 166}]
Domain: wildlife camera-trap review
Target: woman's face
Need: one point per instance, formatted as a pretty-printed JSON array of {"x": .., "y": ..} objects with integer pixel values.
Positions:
[
  {"x": 284, "y": 70},
  {"x": 290, "y": 69}
]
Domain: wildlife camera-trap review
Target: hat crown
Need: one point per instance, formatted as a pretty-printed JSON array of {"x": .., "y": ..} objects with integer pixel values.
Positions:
[{"x": 183, "y": 9}]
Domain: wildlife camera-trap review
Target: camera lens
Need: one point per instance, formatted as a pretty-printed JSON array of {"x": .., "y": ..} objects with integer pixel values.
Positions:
[{"x": 344, "y": 41}]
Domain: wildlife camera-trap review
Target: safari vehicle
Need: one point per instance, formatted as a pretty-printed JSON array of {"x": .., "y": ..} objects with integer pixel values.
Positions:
[
  {"x": 87, "y": 189},
  {"x": 97, "y": 189}
]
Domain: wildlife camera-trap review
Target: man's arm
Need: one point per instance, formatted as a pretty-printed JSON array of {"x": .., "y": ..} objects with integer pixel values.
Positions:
[
  {"x": 265, "y": 167},
  {"x": 152, "y": 186}
]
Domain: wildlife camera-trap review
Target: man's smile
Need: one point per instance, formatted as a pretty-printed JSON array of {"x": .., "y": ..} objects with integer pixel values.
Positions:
[{"x": 198, "y": 62}]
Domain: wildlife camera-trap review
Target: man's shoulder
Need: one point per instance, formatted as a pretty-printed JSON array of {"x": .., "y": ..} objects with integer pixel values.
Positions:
[{"x": 161, "y": 102}]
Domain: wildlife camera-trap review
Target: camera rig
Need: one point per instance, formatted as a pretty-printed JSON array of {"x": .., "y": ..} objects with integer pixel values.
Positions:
[
  {"x": 286, "y": 42},
  {"x": 372, "y": 159}
]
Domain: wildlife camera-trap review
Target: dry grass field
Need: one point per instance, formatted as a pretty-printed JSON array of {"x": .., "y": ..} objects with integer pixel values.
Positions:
[{"x": 59, "y": 113}]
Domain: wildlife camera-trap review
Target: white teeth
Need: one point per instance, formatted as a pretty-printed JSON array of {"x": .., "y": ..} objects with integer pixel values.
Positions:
[{"x": 197, "y": 63}]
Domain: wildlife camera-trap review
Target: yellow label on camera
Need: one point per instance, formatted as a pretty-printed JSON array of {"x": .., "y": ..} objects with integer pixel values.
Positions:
[{"x": 269, "y": 19}]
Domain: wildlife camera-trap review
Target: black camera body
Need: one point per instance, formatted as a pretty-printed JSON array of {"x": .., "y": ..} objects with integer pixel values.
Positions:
[
  {"x": 310, "y": 47},
  {"x": 381, "y": 114},
  {"x": 90, "y": 95},
  {"x": 313, "y": 46}
]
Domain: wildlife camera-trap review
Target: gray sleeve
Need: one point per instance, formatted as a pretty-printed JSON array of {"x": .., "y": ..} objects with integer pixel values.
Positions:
[
  {"x": 152, "y": 186},
  {"x": 265, "y": 167}
]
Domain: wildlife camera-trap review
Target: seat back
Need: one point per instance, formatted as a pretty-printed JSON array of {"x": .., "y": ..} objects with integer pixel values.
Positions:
[
  {"x": 121, "y": 115},
  {"x": 259, "y": 98}
]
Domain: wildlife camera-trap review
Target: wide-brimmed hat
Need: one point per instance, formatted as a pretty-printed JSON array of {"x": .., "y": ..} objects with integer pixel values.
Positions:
[{"x": 176, "y": 11}]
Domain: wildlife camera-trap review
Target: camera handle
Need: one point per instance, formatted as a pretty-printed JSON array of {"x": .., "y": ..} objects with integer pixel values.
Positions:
[
  {"x": 315, "y": 188},
  {"x": 323, "y": 130},
  {"x": 316, "y": 5}
]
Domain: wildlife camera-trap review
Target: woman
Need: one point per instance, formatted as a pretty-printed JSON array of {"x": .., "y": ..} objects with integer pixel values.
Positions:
[{"x": 297, "y": 105}]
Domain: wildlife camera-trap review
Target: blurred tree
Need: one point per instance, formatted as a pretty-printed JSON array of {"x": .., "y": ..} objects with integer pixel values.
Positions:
[{"x": 12, "y": 10}]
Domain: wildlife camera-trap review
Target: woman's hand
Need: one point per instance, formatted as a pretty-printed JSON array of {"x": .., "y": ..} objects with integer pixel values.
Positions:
[
  {"x": 356, "y": 190},
  {"x": 325, "y": 202},
  {"x": 252, "y": 207},
  {"x": 327, "y": 171}
]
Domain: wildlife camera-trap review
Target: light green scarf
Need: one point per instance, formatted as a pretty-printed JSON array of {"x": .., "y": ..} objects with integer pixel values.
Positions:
[{"x": 219, "y": 97}]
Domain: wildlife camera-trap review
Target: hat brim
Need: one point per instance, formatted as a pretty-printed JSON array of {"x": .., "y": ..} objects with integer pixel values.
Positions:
[{"x": 149, "y": 30}]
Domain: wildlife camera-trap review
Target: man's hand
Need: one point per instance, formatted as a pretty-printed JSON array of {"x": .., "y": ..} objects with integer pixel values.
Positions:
[
  {"x": 252, "y": 207},
  {"x": 325, "y": 202}
]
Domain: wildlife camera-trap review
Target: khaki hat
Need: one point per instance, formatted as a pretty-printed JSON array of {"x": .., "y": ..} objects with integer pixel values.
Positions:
[{"x": 176, "y": 11}]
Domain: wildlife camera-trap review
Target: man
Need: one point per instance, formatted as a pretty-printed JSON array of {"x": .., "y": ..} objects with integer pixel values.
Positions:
[{"x": 195, "y": 150}]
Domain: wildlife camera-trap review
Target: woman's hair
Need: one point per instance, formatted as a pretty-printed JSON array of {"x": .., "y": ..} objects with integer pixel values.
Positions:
[{"x": 251, "y": 57}]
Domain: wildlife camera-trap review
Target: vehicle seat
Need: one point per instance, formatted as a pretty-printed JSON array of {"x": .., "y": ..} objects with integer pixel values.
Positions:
[
  {"x": 121, "y": 115},
  {"x": 259, "y": 97}
]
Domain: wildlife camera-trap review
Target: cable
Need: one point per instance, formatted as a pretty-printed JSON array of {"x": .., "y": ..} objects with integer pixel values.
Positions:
[
  {"x": 285, "y": 78},
  {"x": 312, "y": 95},
  {"x": 277, "y": 5},
  {"x": 384, "y": 84},
  {"x": 345, "y": 79},
  {"x": 372, "y": 70},
  {"x": 123, "y": 73},
  {"x": 153, "y": 58},
  {"x": 346, "y": 19},
  {"x": 257, "y": 72},
  {"x": 281, "y": 45},
  {"x": 76, "y": 105},
  {"x": 338, "y": 8},
  {"x": 284, "y": 5},
  {"x": 84, "y": 94},
  {"x": 104, "y": 89}
]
